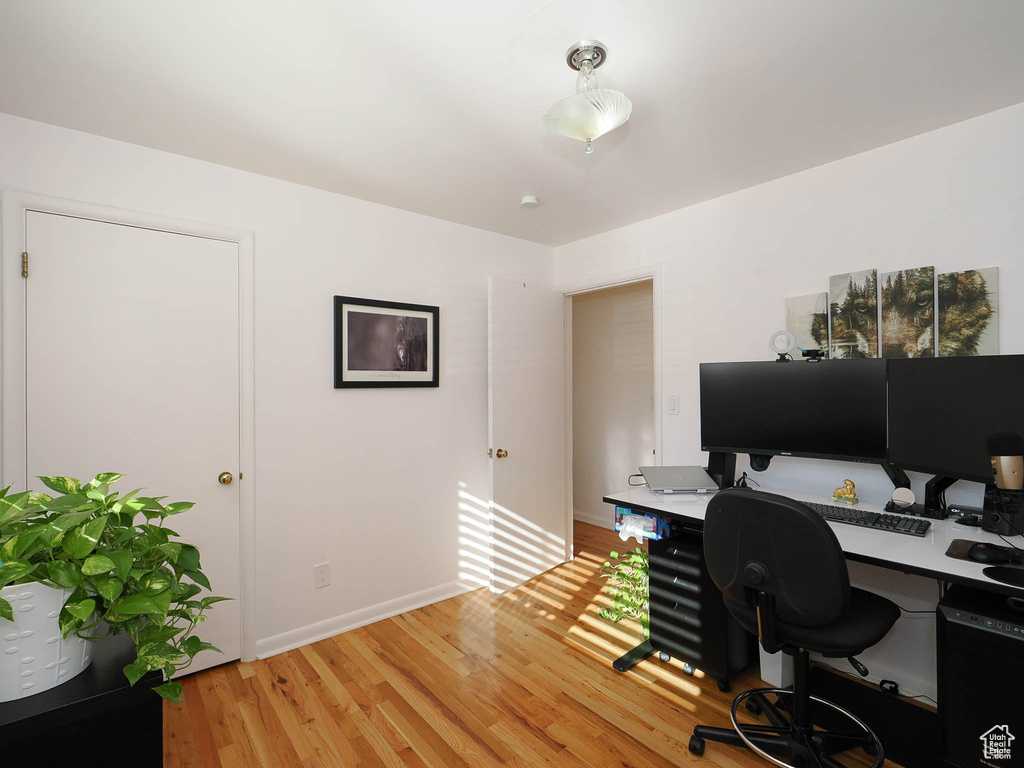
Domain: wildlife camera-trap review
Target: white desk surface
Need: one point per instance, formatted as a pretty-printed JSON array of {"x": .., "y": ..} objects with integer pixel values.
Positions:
[{"x": 925, "y": 556}]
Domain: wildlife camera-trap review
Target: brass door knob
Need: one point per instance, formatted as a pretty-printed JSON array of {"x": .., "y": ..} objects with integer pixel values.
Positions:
[
  {"x": 502, "y": 453},
  {"x": 225, "y": 478}
]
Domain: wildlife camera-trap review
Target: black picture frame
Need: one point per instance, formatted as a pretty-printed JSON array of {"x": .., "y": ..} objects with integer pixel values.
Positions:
[{"x": 385, "y": 344}]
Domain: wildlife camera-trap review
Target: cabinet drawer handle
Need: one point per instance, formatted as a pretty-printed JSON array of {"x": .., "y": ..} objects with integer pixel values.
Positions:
[
  {"x": 686, "y": 584},
  {"x": 682, "y": 603},
  {"x": 684, "y": 553},
  {"x": 690, "y": 570}
]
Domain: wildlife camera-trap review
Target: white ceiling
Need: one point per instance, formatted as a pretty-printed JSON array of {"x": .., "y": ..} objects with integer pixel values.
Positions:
[{"x": 435, "y": 106}]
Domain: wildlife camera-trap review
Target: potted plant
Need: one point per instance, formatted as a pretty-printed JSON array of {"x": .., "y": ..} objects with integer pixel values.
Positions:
[
  {"x": 125, "y": 572},
  {"x": 628, "y": 587}
]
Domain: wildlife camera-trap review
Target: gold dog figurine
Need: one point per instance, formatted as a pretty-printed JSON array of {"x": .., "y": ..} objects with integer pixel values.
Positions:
[{"x": 847, "y": 494}]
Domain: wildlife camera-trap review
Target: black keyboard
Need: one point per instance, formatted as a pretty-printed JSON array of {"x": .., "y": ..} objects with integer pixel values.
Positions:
[{"x": 911, "y": 526}]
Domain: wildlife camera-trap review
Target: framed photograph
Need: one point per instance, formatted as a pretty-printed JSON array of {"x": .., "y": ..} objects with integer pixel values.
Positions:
[{"x": 384, "y": 344}]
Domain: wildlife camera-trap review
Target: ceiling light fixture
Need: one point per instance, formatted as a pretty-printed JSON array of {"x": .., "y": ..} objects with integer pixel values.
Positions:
[{"x": 592, "y": 111}]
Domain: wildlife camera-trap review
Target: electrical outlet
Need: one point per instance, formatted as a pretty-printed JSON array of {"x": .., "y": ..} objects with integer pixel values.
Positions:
[{"x": 321, "y": 575}]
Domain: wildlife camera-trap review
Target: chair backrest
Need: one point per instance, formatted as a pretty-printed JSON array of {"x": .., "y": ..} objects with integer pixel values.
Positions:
[{"x": 761, "y": 542}]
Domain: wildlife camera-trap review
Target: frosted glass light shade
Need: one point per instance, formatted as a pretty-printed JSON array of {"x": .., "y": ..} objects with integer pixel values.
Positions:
[{"x": 589, "y": 114}]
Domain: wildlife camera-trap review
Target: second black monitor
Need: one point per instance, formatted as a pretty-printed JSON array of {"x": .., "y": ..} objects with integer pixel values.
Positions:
[{"x": 942, "y": 410}]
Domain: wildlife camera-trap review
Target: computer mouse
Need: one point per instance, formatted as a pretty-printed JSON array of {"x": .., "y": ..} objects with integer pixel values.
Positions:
[{"x": 987, "y": 553}]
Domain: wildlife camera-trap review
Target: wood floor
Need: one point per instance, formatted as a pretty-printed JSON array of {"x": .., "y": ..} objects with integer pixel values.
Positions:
[{"x": 521, "y": 680}]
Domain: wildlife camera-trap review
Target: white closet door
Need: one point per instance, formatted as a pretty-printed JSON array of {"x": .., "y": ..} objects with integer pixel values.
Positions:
[{"x": 132, "y": 366}]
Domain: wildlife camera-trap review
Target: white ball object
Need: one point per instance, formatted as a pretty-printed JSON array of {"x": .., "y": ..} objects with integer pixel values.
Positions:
[{"x": 903, "y": 497}]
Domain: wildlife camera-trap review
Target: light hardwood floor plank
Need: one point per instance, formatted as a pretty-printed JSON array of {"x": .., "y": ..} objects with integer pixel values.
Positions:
[{"x": 521, "y": 680}]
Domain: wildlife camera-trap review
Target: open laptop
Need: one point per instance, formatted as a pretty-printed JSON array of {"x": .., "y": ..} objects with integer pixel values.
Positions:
[{"x": 678, "y": 479}]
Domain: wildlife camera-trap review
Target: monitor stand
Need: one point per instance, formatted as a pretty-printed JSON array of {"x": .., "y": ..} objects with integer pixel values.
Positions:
[
  {"x": 933, "y": 491},
  {"x": 931, "y": 508},
  {"x": 722, "y": 468}
]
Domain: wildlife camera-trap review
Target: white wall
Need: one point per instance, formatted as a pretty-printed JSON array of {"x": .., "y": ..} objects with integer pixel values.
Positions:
[
  {"x": 612, "y": 394},
  {"x": 952, "y": 198},
  {"x": 366, "y": 479}
]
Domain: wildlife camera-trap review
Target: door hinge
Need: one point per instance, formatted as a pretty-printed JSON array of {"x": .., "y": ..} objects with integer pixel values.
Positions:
[{"x": 24, "y": 264}]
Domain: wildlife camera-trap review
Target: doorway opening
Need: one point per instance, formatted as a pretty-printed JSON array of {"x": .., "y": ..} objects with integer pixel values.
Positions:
[{"x": 613, "y": 394}]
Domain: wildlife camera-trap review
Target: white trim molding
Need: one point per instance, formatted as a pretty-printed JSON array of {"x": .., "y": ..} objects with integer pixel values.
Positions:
[
  {"x": 601, "y": 521},
  {"x": 296, "y": 638}
]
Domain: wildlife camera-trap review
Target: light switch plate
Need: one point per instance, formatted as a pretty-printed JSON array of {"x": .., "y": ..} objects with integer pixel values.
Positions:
[{"x": 673, "y": 405}]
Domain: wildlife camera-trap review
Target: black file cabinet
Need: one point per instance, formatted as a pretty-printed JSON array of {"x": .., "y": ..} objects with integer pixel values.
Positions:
[{"x": 688, "y": 616}]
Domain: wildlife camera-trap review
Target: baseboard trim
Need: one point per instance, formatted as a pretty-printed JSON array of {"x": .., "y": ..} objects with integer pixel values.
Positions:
[
  {"x": 296, "y": 638},
  {"x": 601, "y": 521}
]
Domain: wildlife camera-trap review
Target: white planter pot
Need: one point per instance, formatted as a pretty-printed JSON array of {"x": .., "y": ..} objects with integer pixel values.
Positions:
[{"x": 33, "y": 655}]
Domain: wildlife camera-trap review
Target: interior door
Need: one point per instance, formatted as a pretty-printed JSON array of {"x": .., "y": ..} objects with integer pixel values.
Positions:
[
  {"x": 132, "y": 366},
  {"x": 530, "y": 526}
]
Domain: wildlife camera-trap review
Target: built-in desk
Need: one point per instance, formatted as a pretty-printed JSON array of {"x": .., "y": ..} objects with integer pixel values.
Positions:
[
  {"x": 911, "y": 735},
  {"x": 922, "y": 556}
]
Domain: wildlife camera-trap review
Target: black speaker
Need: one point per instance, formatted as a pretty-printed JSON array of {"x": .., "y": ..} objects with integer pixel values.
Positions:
[
  {"x": 980, "y": 679},
  {"x": 1002, "y": 512}
]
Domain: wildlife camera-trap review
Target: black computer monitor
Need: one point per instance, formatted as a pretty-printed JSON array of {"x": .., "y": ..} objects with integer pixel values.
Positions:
[
  {"x": 941, "y": 411},
  {"x": 828, "y": 409}
]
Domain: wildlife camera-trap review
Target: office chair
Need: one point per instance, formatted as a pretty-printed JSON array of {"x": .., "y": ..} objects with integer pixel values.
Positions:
[{"x": 783, "y": 576}]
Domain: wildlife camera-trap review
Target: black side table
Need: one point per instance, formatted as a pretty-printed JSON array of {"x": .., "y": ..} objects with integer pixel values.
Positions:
[{"x": 96, "y": 719}]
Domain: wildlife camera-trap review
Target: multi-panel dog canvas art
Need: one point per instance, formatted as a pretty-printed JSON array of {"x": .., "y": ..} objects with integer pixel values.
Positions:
[{"x": 907, "y": 313}]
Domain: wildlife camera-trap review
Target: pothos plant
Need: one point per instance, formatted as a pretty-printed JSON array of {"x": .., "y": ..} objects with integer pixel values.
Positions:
[
  {"x": 628, "y": 587},
  {"x": 127, "y": 573}
]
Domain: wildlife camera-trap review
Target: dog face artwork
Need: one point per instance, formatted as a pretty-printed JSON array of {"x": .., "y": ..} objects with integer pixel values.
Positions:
[
  {"x": 908, "y": 313},
  {"x": 968, "y": 322},
  {"x": 854, "y": 314}
]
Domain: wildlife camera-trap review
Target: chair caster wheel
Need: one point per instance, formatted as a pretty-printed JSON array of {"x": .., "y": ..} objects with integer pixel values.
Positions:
[
  {"x": 724, "y": 686},
  {"x": 753, "y": 707},
  {"x": 697, "y": 745},
  {"x": 662, "y": 656},
  {"x": 688, "y": 668}
]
